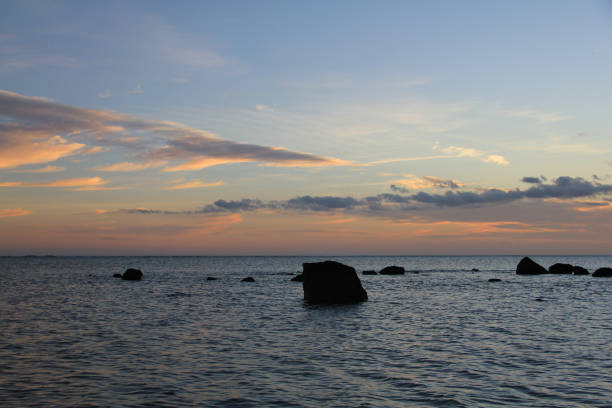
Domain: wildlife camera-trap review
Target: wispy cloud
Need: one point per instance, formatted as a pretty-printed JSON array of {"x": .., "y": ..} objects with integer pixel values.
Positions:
[
  {"x": 105, "y": 94},
  {"x": 136, "y": 90},
  {"x": 456, "y": 151},
  {"x": 76, "y": 183},
  {"x": 193, "y": 184},
  {"x": 544, "y": 117},
  {"x": 413, "y": 182},
  {"x": 46, "y": 169},
  {"x": 30, "y": 135},
  {"x": 13, "y": 212}
]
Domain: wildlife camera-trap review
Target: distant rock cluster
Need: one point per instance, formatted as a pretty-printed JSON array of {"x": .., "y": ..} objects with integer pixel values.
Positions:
[
  {"x": 528, "y": 266},
  {"x": 130, "y": 274}
]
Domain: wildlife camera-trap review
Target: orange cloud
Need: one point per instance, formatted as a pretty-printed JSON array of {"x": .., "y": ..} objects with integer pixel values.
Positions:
[
  {"x": 194, "y": 184},
  {"x": 14, "y": 212},
  {"x": 128, "y": 166},
  {"x": 19, "y": 152},
  {"x": 46, "y": 169},
  {"x": 82, "y": 183}
]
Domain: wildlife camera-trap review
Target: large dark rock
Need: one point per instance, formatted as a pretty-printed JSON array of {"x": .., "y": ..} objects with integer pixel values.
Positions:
[
  {"x": 603, "y": 273},
  {"x": 132, "y": 274},
  {"x": 579, "y": 270},
  {"x": 332, "y": 282},
  {"x": 561, "y": 269},
  {"x": 392, "y": 270},
  {"x": 369, "y": 272},
  {"x": 298, "y": 278},
  {"x": 528, "y": 267}
]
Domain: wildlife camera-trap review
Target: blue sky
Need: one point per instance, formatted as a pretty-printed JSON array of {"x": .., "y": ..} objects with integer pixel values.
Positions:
[{"x": 360, "y": 95}]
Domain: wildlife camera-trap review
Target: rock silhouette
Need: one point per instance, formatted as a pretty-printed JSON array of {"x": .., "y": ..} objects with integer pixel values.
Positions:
[
  {"x": 248, "y": 279},
  {"x": 494, "y": 280},
  {"x": 561, "y": 269},
  {"x": 332, "y": 282},
  {"x": 475, "y": 270},
  {"x": 392, "y": 270},
  {"x": 132, "y": 274},
  {"x": 211, "y": 278},
  {"x": 603, "y": 273},
  {"x": 116, "y": 275},
  {"x": 369, "y": 272},
  {"x": 528, "y": 267},
  {"x": 579, "y": 270},
  {"x": 298, "y": 278}
]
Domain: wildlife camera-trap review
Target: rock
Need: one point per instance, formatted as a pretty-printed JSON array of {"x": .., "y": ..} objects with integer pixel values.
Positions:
[
  {"x": 369, "y": 272},
  {"x": 579, "y": 270},
  {"x": 298, "y": 278},
  {"x": 332, "y": 282},
  {"x": 561, "y": 269},
  {"x": 392, "y": 270},
  {"x": 211, "y": 278},
  {"x": 528, "y": 267},
  {"x": 475, "y": 270},
  {"x": 248, "y": 279},
  {"x": 494, "y": 280},
  {"x": 116, "y": 275},
  {"x": 603, "y": 273},
  {"x": 539, "y": 300},
  {"x": 132, "y": 274}
]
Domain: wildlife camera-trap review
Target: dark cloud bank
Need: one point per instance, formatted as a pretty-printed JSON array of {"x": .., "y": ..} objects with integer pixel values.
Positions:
[{"x": 562, "y": 188}]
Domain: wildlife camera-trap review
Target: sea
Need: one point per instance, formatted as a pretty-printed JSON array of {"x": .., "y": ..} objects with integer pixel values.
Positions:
[{"x": 441, "y": 335}]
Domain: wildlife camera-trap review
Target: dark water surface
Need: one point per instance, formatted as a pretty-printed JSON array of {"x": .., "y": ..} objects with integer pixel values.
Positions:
[{"x": 71, "y": 335}]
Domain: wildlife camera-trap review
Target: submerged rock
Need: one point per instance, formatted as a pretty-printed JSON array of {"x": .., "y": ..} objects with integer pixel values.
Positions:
[
  {"x": 369, "y": 272},
  {"x": 561, "y": 269},
  {"x": 298, "y": 278},
  {"x": 248, "y": 279},
  {"x": 475, "y": 270},
  {"x": 116, "y": 275},
  {"x": 332, "y": 282},
  {"x": 211, "y": 278},
  {"x": 392, "y": 270},
  {"x": 603, "y": 273},
  {"x": 494, "y": 280},
  {"x": 579, "y": 270},
  {"x": 528, "y": 267},
  {"x": 132, "y": 274}
]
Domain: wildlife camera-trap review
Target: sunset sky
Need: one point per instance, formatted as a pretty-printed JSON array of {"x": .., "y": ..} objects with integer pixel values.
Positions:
[{"x": 286, "y": 127}]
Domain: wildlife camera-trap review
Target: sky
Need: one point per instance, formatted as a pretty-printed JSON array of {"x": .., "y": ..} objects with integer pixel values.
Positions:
[{"x": 305, "y": 128}]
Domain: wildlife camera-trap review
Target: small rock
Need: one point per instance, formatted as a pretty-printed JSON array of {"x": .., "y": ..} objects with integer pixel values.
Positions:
[
  {"x": 369, "y": 272},
  {"x": 393, "y": 270},
  {"x": 579, "y": 270},
  {"x": 494, "y": 280},
  {"x": 298, "y": 278},
  {"x": 211, "y": 278},
  {"x": 116, "y": 275},
  {"x": 539, "y": 299},
  {"x": 603, "y": 273},
  {"x": 248, "y": 279},
  {"x": 475, "y": 270},
  {"x": 132, "y": 274},
  {"x": 528, "y": 267},
  {"x": 561, "y": 269}
]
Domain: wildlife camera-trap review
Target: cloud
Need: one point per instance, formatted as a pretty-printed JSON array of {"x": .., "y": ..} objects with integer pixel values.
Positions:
[
  {"x": 13, "y": 212},
  {"x": 194, "y": 184},
  {"x": 456, "y": 151},
  {"x": 531, "y": 180},
  {"x": 105, "y": 94},
  {"x": 30, "y": 131},
  {"x": 412, "y": 182},
  {"x": 563, "y": 188},
  {"x": 137, "y": 90},
  {"x": 128, "y": 166},
  {"x": 46, "y": 169},
  {"x": 88, "y": 183},
  {"x": 264, "y": 108},
  {"x": 544, "y": 117}
]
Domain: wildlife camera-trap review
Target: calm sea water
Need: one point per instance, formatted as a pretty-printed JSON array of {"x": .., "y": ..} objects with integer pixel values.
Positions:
[{"x": 71, "y": 335}]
